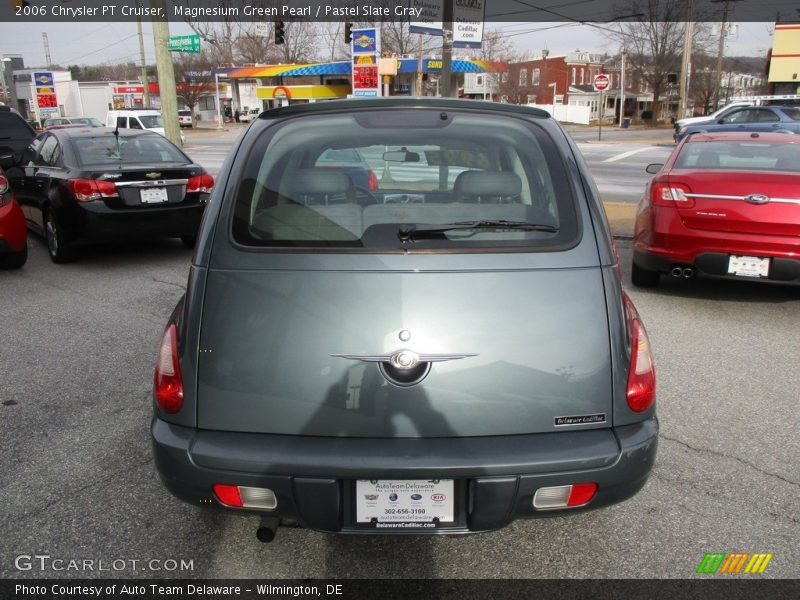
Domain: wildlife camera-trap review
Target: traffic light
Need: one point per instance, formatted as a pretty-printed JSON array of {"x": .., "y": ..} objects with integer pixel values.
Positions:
[
  {"x": 348, "y": 32},
  {"x": 280, "y": 32}
]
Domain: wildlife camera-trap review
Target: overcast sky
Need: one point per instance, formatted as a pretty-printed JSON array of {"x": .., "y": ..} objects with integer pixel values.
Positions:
[{"x": 111, "y": 43}]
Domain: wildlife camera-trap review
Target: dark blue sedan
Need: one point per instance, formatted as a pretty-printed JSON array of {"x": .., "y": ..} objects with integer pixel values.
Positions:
[{"x": 782, "y": 119}]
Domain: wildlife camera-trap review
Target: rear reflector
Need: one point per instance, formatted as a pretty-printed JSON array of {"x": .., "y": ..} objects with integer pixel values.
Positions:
[
  {"x": 239, "y": 496},
  {"x": 564, "y": 496},
  {"x": 167, "y": 380}
]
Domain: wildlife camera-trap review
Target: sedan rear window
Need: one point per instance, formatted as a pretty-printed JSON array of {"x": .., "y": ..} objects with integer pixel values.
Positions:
[
  {"x": 140, "y": 149},
  {"x": 747, "y": 155},
  {"x": 405, "y": 179}
]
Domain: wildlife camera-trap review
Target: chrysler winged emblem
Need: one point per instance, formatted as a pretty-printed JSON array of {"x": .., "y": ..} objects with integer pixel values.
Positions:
[
  {"x": 153, "y": 175},
  {"x": 405, "y": 360}
]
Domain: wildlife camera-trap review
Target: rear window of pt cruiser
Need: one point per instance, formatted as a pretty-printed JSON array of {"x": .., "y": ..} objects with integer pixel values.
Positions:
[{"x": 405, "y": 180}]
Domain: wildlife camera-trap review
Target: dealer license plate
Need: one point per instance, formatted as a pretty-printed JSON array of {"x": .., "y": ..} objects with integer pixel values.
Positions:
[
  {"x": 405, "y": 501},
  {"x": 748, "y": 266},
  {"x": 153, "y": 195}
]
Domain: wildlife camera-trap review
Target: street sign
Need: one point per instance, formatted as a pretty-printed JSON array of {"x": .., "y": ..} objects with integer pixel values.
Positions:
[
  {"x": 262, "y": 29},
  {"x": 184, "y": 43},
  {"x": 601, "y": 82}
]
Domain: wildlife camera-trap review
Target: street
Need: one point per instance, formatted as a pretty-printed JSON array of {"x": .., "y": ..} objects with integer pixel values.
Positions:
[{"x": 78, "y": 348}]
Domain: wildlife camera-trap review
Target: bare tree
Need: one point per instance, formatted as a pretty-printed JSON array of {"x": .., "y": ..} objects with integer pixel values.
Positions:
[{"x": 194, "y": 77}]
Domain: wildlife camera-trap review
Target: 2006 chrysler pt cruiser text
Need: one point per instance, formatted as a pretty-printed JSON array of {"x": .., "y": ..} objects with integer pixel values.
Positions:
[{"x": 442, "y": 352}]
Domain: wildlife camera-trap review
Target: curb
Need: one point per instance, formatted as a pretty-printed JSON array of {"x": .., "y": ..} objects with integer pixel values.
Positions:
[{"x": 621, "y": 218}]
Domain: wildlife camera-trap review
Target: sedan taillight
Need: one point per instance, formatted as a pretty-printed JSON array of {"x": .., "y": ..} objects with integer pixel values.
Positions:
[
  {"x": 641, "y": 388},
  {"x": 372, "y": 181},
  {"x": 671, "y": 195},
  {"x": 167, "y": 381},
  {"x": 88, "y": 190},
  {"x": 202, "y": 183},
  {"x": 4, "y": 187}
]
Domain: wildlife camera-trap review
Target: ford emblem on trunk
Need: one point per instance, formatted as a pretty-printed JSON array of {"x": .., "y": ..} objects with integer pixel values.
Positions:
[{"x": 756, "y": 199}]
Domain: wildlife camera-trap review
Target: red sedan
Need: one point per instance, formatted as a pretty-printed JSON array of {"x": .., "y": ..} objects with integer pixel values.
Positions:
[
  {"x": 13, "y": 234},
  {"x": 725, "y": 205}
]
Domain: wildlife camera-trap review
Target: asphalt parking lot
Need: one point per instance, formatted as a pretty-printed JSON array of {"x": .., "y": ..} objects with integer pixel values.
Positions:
[{"x": 77, "y": 349}]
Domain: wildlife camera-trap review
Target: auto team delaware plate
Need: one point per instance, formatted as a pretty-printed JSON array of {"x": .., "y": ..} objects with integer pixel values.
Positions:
[{"x": 404, "y": 501}]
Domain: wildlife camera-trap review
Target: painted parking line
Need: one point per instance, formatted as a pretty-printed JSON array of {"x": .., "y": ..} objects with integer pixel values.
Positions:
[{"x": 628, "y": 153}]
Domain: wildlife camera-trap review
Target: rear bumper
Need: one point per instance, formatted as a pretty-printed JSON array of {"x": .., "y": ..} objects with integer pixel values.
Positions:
[
  {"x": 98, "y": 223},
  {"x": 496, "y": 477},
  {"x": 13, "y": 232}
]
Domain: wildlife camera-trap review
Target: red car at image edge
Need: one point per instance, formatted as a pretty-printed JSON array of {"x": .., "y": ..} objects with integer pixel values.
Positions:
[
  {"x": 724, "y": 205},
  {"x": 13, "y": 233}
]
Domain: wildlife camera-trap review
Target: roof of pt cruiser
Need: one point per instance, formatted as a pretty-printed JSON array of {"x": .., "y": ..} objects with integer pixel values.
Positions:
[{"x": 397, "y": 102}]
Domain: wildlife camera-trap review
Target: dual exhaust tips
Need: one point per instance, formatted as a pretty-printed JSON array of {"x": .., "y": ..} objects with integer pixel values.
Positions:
[{"x": 680, "y": 271}]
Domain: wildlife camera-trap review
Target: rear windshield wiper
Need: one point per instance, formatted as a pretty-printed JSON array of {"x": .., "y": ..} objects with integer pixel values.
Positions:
[{"x": 415, "y": 232}]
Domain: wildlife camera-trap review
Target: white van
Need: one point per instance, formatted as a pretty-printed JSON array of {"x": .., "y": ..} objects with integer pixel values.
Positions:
[{"x": 137, "y": 119}]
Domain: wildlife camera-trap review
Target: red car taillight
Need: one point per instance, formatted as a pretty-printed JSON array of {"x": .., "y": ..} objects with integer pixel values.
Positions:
[
  {"x": 641, "y": 388},
  {"x": 87, "y": 190},
  {"x": 372, "y": 181},
  {"x": 671, "y": 195},
  {"x": 4, "y": 187},
  {"x": 167, "y": 381},
  {"x": 202, "y": 183}
]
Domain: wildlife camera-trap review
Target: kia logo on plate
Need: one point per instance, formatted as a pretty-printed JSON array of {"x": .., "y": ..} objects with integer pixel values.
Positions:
[{"x": 438, "y": 497}]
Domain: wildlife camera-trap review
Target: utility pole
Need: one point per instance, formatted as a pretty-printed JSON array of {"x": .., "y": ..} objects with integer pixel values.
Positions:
[
  {"x": 419, "y": 66},
  {"x": 447, "y": 49},
  {"x": 622, "y": 87},
  {"x": 46, "y": 49},
  {"x": 721, "y": 51},
  {"x": 686, "y": 63},
  {"x": 166, "y": 74},
  {"x": 145, "y": 83}
]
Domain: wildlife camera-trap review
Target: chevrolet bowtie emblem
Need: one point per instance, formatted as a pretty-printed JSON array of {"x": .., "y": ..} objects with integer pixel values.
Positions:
[{"x": 153, "y": 175}]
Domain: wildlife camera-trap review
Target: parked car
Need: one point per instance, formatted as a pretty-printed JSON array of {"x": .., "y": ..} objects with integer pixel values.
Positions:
[
  {"x": 138, "y": 119},
  {"x": 781, "y": 119},
  {"x": 724, "y": 204},
  {"x": 58, "y": 122},
  {"x": 185, "y": 118},
  {"x": 470, "y": 350},
  {"x": 15, "y": 132},
  {"x": 249, "y": 115},
  {"x": 78, "y": 186},
  {"x": 682, "y": 124},
  {"x": 13, "y": 235},
  {"x": 350, "y": 162}
]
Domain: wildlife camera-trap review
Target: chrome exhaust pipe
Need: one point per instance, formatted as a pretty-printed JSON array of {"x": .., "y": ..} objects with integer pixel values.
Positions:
[
  {"x": 688, "y": 272},
  {"x": 676, "y": 272}
]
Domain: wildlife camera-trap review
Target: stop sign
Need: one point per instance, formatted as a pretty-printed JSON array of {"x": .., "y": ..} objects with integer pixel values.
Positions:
[{"x": 601, "y": 82}]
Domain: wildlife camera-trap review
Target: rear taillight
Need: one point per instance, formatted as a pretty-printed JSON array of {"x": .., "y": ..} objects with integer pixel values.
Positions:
[
  {"x": 87, "y": 190},
  {"x": 4, "y": 187},
  {"x": 202, "y": 183},
  {"x": 167, "y": 381},
  {"x": 641, "y": 388},
  {"x": 372, "y": 181},
  {"x": 671, "y": 195}
]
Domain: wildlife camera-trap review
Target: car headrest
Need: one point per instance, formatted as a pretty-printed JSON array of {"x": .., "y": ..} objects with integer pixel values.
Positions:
[
  {"x": 707, "y": 159},
  {"x": 317, "y": 181},
  {"x": 487, "y": 183}
]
